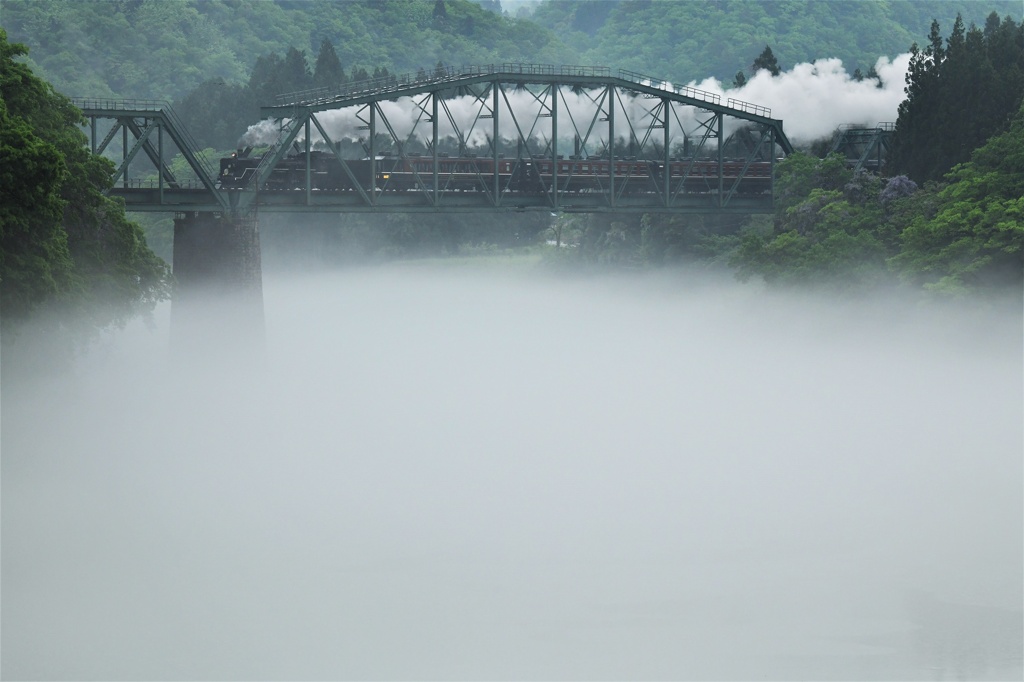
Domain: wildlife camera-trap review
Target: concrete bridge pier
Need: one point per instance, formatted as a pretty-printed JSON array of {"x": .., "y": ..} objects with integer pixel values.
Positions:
[{"x": 217, "y": 308}]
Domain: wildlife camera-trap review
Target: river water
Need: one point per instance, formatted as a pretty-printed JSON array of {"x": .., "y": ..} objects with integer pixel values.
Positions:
[{"x": 481, "y": 472}]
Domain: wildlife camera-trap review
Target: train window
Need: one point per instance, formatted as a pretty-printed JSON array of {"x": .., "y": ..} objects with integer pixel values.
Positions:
[{"x": 584, "y": 168}]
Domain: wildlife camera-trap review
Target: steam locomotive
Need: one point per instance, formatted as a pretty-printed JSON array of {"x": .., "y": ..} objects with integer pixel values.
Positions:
[{"x": 523, "y": 175}]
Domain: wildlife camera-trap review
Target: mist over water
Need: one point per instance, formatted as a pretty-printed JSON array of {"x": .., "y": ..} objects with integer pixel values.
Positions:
[{"x": 455, "y": 472}]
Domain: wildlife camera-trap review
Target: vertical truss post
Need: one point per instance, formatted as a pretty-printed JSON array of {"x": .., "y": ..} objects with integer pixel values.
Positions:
[
  {"x": 554, "y": 143},
  {"x": 92, "y": 126},
  {"x": 124, "y": 155},
  {"x": 494, "y": 107},
  {"x": 433, "y": 145},
  {"x": 611, "y": 144},
  {"x": 160, "y": 166},
  {"x": 666, "y": 169},
  {"x": 771, "y": 165},
  {"x": 309, "y": 174},
  {"x": 373, "y": 153},
  {"x": 721, "y": 158}
]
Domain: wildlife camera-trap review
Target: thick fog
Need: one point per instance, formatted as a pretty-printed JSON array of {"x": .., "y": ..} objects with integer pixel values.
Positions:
[{"x": 481, "y": 472}]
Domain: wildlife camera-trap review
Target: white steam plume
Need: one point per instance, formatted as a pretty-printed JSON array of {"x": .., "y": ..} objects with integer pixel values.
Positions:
[{"x": 814, "y": 99}]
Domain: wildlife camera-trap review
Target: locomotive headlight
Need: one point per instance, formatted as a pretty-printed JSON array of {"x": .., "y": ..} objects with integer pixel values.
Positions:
[{"x": 385, "y": 176}]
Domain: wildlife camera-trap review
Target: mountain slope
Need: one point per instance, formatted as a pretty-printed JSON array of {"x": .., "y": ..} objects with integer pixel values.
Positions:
[{"x": 686, "y": 41}]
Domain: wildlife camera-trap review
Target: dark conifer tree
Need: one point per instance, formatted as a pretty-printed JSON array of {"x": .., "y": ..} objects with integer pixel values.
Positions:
[
  {"x": 328, "y": 70},
  {"x": 218, "y": 113},
  {"x": 766, "y": 60},
  {"x": 440, "y": 13},
  {"x": 264, "y": 80},
  {"x": 739, "y": 80},
  {"x": 296, "y": 75},
  {"x": 959, "y": 93}
]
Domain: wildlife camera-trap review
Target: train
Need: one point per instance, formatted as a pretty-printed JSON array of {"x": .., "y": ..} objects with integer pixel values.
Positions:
[{"x": 520, "y": 175}]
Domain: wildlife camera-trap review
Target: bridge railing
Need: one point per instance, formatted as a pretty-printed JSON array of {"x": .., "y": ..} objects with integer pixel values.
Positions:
[
  {"x": 438, "y": 75},
  {"x": 749, "y": 108},
  {"x": 139, "y": 183},
  {"x": 662, "y": 84},
  {"x": 119, "y": 104},
  {"x": 884, "y": 126},
  {"x": 443, "y": 74}
]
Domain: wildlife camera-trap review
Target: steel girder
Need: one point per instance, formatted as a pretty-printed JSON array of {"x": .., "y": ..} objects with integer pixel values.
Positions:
[
  {"x": 531, "y": 113},
  {"x": 139, "y": 122},
  {"x": 864, "y": 147},
  {"x": 683, "y": 149}
]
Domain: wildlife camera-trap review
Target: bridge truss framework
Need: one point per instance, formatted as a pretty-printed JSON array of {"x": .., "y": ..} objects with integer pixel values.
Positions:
[{"x": 510, "y": 115}]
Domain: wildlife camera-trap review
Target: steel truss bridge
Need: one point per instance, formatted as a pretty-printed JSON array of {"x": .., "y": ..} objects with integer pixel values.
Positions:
[
  {"x": 509, "y": 137},
  {"x": 865, "y": 148}
]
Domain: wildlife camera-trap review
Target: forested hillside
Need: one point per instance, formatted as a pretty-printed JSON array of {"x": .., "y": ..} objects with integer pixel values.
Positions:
[
  {"x": 166, "y": 48},
  {"x": 692, "y": 40}
]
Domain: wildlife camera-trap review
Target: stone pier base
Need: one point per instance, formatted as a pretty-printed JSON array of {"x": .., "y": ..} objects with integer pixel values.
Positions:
[{"x": 217, "y": 309}]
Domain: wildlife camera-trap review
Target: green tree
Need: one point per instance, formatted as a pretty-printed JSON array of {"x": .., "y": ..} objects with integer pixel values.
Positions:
[
  {"x": 960, "y": 92},
  {"x": 766, "y": 60},
  {"x": 295, "y": 74},
  {"x": 63, "y": 239},
  {"x": 328, "y": 70},
  {"x": 972, "y": 236},
  {"x": 217, "y": 114},
  {"x": 35, "y": 263},
  {"x": 440, "y": 11},
  {"x": 829, "y": 229}
]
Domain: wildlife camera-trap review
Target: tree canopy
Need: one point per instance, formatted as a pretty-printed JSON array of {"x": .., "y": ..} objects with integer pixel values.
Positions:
[
  {"x": 63, "y": 241},
  {"x": 166, "y": 48},
  {"x": 766, "y": 61},
  {"x": 960, "y": 92}
]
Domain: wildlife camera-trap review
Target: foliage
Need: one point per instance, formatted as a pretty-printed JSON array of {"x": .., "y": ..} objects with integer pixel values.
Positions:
[
  {"x": 217, "y": 113},
  {"x": 687, "y": 41},
  {"x": 328, "y": 70},
  {"x": 850, "y": 231},
  {"x": 973, "y": 236},
  {"x": 166, "y": 48},
  {"x": 63, "y": 240},
  {"x": 826, "y": 228},
  {"x": 767, "y": 61},
  {"x": 35, "y": 264},
  {"x": 959, "y": 93}
]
